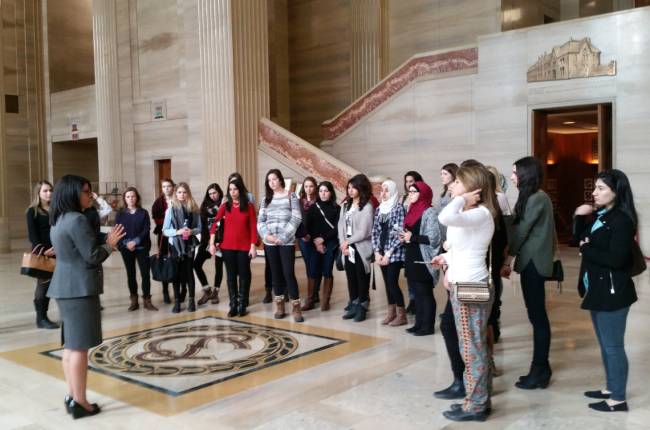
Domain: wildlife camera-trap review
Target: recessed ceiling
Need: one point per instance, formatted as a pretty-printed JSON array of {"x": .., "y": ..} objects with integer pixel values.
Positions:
[{"x": 573, "y": 122}]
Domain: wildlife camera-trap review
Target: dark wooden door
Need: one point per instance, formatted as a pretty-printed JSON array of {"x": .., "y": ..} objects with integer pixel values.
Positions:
[{"x": 163, "y": 170}]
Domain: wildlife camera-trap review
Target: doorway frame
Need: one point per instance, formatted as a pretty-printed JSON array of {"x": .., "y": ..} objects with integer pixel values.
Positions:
[{"x": 566, "y": 105}]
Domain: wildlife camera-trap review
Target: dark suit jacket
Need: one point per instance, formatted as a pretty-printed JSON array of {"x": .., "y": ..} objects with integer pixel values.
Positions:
[
  {"x": 78, "y": 258},
  {"x": 533, "y": 237},
  {"x": 607, "y": 260}
]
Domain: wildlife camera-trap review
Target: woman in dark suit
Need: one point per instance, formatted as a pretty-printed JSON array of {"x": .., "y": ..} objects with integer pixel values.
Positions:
[
  {"x": 76, "y": 284},
  {"x": 605, "y": 283}
]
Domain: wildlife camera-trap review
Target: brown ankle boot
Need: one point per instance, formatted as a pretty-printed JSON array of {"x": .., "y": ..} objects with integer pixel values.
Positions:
[
  {"x": 279, "y": 308},
  {"x": 134, "y": 303},
  {"x": 391, "y": 315},
  {"x": 326, "y": 294},
  {"x": 309, "y": 301},
  {"x": 148, "y": 305},
  {"x": 215, "y": 296},
  {"x": 400, "y": 318},
  {"x": 207, "y": 294},
  {"x": 295, "y": 311}
]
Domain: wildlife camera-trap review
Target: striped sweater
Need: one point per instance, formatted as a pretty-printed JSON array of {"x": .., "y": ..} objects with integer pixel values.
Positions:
[{"x": 280, "y": 218}]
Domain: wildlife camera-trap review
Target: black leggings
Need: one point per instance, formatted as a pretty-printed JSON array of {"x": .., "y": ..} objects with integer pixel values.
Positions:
[
  {"x": 201, "y": 256},
  {"x": 282, "y": 260},
  {"x": 425, "y": 304},
  {"x": 184, "y": 277},
  {"x": 238, "y": 265},
  {"x": 130, "y": 258},
  {"x": 358, "y": 279},
  {"x": 450, "y": 335},
  {"x": 390, "y": 274},
  {"x": 532, "y": 286}
]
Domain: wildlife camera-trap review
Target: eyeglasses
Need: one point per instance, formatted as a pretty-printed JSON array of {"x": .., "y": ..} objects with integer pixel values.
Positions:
[{"x": 413, "y": 191}]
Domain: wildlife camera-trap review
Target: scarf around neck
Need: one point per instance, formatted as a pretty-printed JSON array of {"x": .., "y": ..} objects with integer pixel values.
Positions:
[{"x": 422, "y": 204}]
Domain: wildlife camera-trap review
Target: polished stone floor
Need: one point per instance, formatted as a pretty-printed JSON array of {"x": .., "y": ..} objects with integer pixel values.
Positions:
[{"x": 346, "y": 375}]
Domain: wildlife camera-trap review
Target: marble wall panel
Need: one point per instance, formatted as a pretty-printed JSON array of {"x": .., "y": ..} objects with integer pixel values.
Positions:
[{"x": 77, "y": 103}]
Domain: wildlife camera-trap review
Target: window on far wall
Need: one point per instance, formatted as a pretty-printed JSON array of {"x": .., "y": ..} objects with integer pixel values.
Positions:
[{"x": 11, "y": 103}]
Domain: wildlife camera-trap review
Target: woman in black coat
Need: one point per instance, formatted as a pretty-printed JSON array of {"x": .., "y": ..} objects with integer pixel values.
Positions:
[{"x": 605, "y": 282}]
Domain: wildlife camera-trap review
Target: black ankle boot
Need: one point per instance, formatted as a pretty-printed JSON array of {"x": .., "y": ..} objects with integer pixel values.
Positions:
[
  {"x": 351, "y": 311},
  {"x": 242, "y": 311},
  {"x": 539, "y": 377},
  {"x": 165, "y": 291},
  {"x": 177, "y": 306},
  {"x": 233, "y": 312},
  {"x": 455, "y": 391},
  {"x": 191, "y": 305},
  {"x": 268, "y": 296},
  {"x": 42, "y": 321},
  {"x": 362, "y": 310}
]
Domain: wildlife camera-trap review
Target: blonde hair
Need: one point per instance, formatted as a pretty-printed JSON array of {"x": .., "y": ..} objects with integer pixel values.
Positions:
[
  {"x": 497, "y": 178},
  {"x": 190, "y": 203},
  {"x": 36, "y": 203},
  {"x": 478, "y": 177}
]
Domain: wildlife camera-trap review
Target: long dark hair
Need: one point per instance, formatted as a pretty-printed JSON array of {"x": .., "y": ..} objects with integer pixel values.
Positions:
[
  {"x": 303, "y": 194},
  {"x": 67, "y": 196},
  {"x": 267, "y": 187},
  {"x": 529, "y": 180},
  {"x": 207, "y": 200},
  {"x": 450, "y": 168},
  {"x": 330, "y": 188},
  {"x": 361, "y": 183},
  {"x": 243, "y": 195},
  {"x": 617, "y": 181}
]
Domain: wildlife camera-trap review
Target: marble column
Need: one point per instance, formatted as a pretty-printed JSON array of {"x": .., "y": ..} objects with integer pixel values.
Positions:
[
  {"x": 234, "y": 87},
  {"x": 368, "y": 48},
  {"x": 5, "y": 239},
  {"x": 109, "y": 131}
]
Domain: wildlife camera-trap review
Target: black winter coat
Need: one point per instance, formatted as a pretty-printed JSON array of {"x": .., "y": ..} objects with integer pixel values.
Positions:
[{"x": 607, "y": 259}]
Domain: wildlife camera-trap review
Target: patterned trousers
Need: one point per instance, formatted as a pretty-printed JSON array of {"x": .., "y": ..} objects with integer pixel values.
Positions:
[{"x": 471, "y": 325}]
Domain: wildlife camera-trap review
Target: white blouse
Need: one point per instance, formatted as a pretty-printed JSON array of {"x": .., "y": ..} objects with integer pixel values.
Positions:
[{"x": 469, "y": 234}]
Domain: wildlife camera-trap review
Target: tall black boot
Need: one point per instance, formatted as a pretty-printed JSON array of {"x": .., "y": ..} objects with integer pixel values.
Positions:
[
  {"x": 244, "y": 290},
  {"x": 42, "y": 321},
  {"x": 234, "y": 299},
  {"x": 177, "y": 298},
  {"x": 165, "y": 291}
]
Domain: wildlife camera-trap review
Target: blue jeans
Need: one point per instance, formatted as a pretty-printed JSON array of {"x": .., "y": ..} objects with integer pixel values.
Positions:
[
  {"x": 323, "y": 264},
  {"x": 610, "y": 331},
  {"x": 307, "y": 249}
]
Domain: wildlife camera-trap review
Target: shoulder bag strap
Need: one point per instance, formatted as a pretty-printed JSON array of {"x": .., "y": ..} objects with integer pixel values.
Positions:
[{"x": 323, "y": 213}]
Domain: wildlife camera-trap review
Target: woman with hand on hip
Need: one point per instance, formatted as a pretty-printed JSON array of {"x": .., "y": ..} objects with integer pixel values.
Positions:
[
  {"x": 277, "y": 222},
  {"x": 237, "y": 244},
  {"x": 209, "y": 208},
  {"x": 389, "y": 251},
  {"x": 38, "y": 229},
  {"x": 605, "y": 283},
  {"x": 531, "y": 242},
  {"x": 77, "y": 296},
  {"x": 470, "y": 220}
]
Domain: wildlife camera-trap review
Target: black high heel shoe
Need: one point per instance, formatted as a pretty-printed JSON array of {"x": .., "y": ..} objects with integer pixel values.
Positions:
[{"x": 79, "y": 411}]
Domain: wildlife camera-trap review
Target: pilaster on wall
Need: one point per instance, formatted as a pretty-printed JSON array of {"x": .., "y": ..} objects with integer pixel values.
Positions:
[
  {"x": 5, "y": 240},
  {"x": 115, "y": 147},
  {"x": 367, "y": 56}
]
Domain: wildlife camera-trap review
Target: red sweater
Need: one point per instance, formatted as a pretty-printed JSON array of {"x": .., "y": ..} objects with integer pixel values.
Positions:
[{"x": 240, "y": 228}]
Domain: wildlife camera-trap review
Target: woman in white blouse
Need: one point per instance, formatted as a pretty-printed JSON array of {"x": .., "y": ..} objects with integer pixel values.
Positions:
[{"x": 469, "y": 218}]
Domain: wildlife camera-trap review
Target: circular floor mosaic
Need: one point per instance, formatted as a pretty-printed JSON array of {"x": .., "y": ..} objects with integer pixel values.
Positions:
[{"x": 206, "y": 349}]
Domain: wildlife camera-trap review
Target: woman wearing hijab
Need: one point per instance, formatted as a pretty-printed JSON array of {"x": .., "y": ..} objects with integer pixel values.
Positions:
[
  {"x": 389, "y": 252},
  {"x": 421, "y": 238}
]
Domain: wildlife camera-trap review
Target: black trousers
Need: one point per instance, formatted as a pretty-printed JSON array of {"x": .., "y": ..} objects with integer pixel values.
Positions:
[
  {"x": 184, "y": 277},
  {"x": 142, "y": 258},
  {"x": 238, "y": 267},
  {"x": 358, "y": 279},
  {"x": 532, "y": 287},
  {"x": 40, "y": 293},
  {"x": 425, "y": 304},
  {"x": 282, "y": 260},
  {"x": 390, "y": 274},
  {"x": 450, "y": 335},
  {"x": 201, "y": 256}
]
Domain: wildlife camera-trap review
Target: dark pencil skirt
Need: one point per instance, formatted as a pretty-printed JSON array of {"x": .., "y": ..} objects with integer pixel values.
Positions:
[{"x": 81, "y": 326}]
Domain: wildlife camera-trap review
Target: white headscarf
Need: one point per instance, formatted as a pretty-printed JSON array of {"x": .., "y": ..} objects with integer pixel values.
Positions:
[{"x": 386, "y": 206}]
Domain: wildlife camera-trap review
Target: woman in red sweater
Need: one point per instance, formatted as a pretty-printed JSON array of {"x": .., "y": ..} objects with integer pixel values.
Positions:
[{"x": 238, "y": 245}]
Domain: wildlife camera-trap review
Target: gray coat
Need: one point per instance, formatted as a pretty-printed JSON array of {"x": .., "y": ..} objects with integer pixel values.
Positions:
[
  {"x": 430, "y": 227},
  {"x": 78, "y": 258},
  {"x": 361, "y": 232}
]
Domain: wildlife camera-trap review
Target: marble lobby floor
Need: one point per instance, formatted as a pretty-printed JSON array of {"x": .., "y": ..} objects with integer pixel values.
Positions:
[{"x": 386, "y": 384}]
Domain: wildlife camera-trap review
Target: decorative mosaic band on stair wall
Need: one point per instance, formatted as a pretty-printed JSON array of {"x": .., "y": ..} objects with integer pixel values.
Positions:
[{"x": 415, "y": 68}]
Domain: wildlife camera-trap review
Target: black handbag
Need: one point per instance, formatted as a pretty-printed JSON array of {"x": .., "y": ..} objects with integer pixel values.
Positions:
[
  {"x": 163, "y": 267},
  {"x": 638, "y": 260}
]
